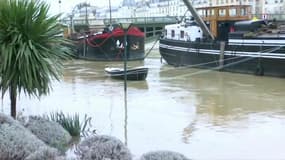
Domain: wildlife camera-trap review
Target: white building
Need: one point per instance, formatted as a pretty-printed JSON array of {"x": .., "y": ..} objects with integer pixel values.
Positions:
[
  {"x": 162, "y": 8},
  {"x": 273, "y": 6}
]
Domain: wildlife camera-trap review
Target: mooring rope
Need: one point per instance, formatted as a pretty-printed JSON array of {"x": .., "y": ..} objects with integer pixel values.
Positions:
[
  {"x": 148, "y": 52},
  {"x": 210, "y": 69},
  {"x": 219, "y": 67}
]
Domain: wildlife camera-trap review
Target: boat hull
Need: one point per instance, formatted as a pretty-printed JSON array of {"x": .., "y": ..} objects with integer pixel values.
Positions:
[
  {"x": 268, "y": 60},
  {"x": 135, "y": 74},
  {"x": 102, "y": 49}
]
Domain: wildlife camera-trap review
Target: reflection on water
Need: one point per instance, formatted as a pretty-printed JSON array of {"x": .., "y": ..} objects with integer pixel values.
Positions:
[
  {"x": 202, "y": 114},
  {"x": 126, "y": 122},
  {"x": 234, "y": 111}
]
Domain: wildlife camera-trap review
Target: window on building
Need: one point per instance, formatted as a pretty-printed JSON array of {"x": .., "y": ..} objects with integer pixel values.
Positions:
[
  {"x": 222, "y": 12},
  {"x": 233, "y": 12},
  {"x": 266, "y": 10},
  {"x": 275, "y": 8},
  {"x": 242, "y": 11},
  {"x": 211, "y": 12}
]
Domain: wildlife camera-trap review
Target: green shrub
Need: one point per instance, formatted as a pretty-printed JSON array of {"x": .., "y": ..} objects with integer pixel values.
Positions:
[{"x": 72, "y": 123}]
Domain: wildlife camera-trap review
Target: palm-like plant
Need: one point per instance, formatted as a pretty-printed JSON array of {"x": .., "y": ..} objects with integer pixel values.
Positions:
[
  {"x": 72, "y": 123},
  {"x": 31, "y": 50}
]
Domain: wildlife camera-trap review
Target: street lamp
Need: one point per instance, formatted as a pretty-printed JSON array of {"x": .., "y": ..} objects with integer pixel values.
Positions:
[
  {"x": 59, "y": 9},
  {"x": 125, "y": 27}
]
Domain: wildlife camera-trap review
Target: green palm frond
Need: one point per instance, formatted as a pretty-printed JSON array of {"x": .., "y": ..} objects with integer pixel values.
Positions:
[{"x": 31, "y": 50}]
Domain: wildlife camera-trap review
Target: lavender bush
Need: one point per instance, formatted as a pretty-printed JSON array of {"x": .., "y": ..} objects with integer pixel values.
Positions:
[
  {"x": 16, "y": 142},
  {"x": 103, "y": 147},
  {"x": 45, "y": 153},
  {"x": 49, "y": 132},
  {"x": 163, "y": 155}
]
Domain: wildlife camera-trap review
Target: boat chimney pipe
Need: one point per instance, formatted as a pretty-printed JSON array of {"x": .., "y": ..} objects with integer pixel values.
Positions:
[{"x": 198, "y": 18}]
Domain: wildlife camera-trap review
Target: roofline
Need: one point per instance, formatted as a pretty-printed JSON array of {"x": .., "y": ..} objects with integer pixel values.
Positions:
[{"x": 225, "y": 6}]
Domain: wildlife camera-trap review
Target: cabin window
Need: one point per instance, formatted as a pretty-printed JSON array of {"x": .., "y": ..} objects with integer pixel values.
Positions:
[
  {"x": 182, "y": 34},
  {"x": 172, "y": 33}
]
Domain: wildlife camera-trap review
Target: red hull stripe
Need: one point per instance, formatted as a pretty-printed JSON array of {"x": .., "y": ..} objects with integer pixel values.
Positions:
[{"x": 117, "y": 32}]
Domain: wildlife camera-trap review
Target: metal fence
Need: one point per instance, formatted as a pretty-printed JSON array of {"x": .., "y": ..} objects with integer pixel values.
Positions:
[
  {"x": 157, "y": 20},
  {"x": 137, "y": 20}
]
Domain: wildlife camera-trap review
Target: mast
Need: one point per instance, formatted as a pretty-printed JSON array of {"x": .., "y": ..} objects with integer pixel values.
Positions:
[
  {"x": 198, "y": 18},
  {"x": 110, "y": 10},
  {"x": 86, "y": 13}
]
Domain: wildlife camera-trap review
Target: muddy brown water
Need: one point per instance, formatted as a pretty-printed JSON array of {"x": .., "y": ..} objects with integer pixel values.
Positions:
[{"x": 199, "y": 113}]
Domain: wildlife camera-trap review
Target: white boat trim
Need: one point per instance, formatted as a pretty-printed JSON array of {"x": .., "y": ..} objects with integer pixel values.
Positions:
[{"x": 229, "y": 53}]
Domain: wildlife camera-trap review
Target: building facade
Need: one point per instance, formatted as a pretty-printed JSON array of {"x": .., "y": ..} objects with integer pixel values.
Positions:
[{"x": 161, "y": 8}]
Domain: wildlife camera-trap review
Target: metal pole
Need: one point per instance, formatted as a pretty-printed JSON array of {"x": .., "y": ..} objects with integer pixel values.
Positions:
[
  {"x": 125, "y": 83},
  {"x": 86, "y": 14},
  {"x": 59, "y": 9},
  {"x": 222, "y": 50},
  {"x": 125, "y": 62},
  {"x": 126, "y": 123},
  {"x": 110, "y": 12},
  {"x": 72, "y": 24}
]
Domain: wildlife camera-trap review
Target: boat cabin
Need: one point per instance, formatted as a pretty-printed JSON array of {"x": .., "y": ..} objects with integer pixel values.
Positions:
[
  {"x": 188, "y": 30},
  {"x": 220, "y": 19}
]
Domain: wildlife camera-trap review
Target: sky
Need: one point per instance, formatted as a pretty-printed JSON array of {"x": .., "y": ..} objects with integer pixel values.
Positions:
[{"x": 67, "y": 5}]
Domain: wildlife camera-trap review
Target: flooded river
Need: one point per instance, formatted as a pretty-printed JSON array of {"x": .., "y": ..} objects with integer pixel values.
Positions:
[{"x": 199, "y": 113}]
